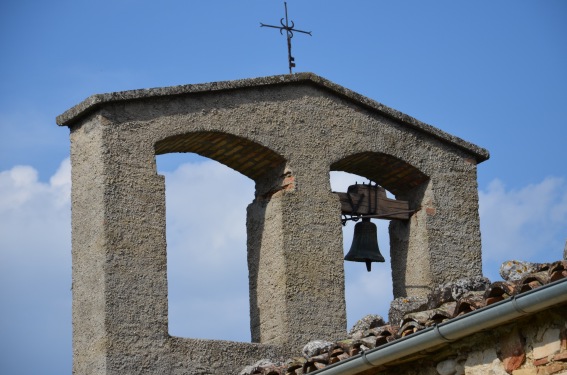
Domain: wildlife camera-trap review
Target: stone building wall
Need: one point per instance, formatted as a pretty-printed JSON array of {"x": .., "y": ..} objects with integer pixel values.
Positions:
[{"x": 535, "y": 345}]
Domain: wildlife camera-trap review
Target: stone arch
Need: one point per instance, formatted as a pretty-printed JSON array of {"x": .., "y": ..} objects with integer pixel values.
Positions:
[
  {"x": 241, "y": 154},
  {"x": 390, "y": 172},
  {"x": 408, "y": 183},
  {"x": 249, "y": 158},
  {"x": 267, "y": 168}
]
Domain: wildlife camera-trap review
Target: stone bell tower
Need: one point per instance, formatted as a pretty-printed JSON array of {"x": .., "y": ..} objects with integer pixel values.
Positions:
[{"x": 286, "y": 133}]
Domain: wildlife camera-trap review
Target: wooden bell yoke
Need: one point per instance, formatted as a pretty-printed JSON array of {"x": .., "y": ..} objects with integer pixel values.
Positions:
[{"x": 370, "y": 201}]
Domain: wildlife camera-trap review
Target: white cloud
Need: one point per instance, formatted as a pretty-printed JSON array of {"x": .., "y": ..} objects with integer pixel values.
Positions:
[
  {"x": 523, "y": 224},
  {"x": 34, "y": 213},
  {"x": 35, "y": 269}
]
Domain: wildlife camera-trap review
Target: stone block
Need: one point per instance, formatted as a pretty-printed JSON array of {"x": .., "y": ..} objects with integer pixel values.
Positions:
[
  {"x": 525, "y": 371},
  {"x": 484, "y": 362},
  {"x": 552, "y": 369},
  {"x": 514, "y": 270},
  {"x": 447, "y": 367},
  {"x": 550, "y": 344}
]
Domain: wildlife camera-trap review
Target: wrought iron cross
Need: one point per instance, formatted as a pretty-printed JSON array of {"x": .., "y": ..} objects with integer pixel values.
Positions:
[{"x": 289, "y": 32}]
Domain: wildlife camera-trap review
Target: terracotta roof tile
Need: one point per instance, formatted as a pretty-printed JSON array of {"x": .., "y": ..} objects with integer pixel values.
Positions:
[{"x": 446, "y": 302}]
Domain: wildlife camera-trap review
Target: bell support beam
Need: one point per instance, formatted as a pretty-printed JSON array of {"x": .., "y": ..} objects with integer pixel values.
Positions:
[{"x": 372, "y": 200}]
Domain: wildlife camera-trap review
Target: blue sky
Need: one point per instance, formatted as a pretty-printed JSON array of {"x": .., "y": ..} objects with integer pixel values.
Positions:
[{"x": 492, "y": 73}]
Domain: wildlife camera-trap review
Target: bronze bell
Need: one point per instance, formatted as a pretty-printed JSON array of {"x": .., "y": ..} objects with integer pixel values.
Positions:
[{"x": 364, "y": 246}]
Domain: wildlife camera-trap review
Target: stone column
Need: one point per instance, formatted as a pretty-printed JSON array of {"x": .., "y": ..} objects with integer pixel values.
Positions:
[
  {"x": 119, "y": 254},
  {"x": 88, "y": 248},
  {"x": 296, "y": 268}
]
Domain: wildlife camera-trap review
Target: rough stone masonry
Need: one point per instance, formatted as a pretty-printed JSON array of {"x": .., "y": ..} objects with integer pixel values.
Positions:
[{"x": 286, "y": 133}]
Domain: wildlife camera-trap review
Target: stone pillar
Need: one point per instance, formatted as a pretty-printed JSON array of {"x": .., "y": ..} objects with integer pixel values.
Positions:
[
  {"x": 295, "y": 268},
  {"x": 88, "y": 249},
  {"x": 441, "y": 242},
  {"x": 410, "y": 249},
  {"x": 119, "y": 258}
]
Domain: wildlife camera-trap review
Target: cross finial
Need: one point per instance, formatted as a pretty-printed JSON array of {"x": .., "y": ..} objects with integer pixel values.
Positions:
[{"x": 289, "y": 33}]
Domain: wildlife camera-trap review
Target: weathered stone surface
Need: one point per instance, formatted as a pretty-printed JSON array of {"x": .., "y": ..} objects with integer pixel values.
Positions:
[
  {"x": 399, "y": 307},
  {"x": 484, "y": 362},
  {"x": 447, "y": 367},
  {"x": 367, "y": 322},
  {"x": 459, "y": 369},
  {"x": 525, "y": 371},
  {"x": 552, "y": 369},
  {"x": 249, "y": 370},
  {"x": 317, "y": 347},
  {"x": 413, "y": 322},
  {"x": 453, "y": 290},
  {"x": 560, "y": 357},
  {"x": 514, "y": 270},
  {"x": 550, "y": 343}
]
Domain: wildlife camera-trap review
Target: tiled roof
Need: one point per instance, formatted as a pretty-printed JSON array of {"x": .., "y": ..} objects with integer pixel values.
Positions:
[{"x": 442, "y": 306}]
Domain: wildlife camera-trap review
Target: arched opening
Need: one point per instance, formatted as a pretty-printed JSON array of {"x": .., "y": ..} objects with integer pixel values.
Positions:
[
  {"x": 371, "y": 292},
  {"x": 206, "y": 247},
  {"x": 393, "y": 174},
  {"x": 249, "y": 158},
  {"x": 365, "y": 292},
  {"x": 208, "y": 281}
]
